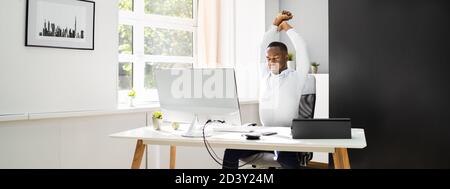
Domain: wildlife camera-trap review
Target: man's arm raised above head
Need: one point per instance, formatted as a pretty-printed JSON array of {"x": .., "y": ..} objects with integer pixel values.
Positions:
[
  {"x": 282, "y": 16},
  {"x": 301, "y": 52},
  {"x": 271, "y": 35}
]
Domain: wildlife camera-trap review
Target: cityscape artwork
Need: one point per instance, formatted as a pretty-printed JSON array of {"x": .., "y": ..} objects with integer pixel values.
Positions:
[{"x": 60, "y": 24}]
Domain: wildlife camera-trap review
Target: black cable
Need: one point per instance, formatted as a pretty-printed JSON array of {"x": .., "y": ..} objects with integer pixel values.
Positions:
[
  {"x": 204, "y": 138},
  {"x": 208, "y": 146}
]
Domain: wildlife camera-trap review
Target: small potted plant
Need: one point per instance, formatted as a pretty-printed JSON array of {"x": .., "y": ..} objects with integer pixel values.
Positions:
[
  {"x": 132, "y": 95},
  {"x": 157, "y": 120},
  {"x": 314, "y": 67},
  {"x": 291, "y": 62},
  {"x": 175, "y": 125}
]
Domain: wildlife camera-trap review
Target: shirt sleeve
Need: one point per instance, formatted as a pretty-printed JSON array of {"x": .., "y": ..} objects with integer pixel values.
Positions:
[
  {"x": 301, "y": 55},
  {"x": 270, "y": 36}
]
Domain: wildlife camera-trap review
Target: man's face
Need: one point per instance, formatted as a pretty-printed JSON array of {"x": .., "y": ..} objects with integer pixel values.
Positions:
[{"x": 276, "y": 59}]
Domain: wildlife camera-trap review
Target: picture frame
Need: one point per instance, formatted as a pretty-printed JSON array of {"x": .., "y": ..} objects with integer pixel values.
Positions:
[{"x": 67, "y": 24}]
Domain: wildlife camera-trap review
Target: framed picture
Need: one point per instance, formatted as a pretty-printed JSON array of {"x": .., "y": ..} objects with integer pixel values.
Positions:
[{"x": 60, "y": 24}]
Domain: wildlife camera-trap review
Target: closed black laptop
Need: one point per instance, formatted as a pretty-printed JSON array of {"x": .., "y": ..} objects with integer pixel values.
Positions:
[{"x": 333, "y": 128}]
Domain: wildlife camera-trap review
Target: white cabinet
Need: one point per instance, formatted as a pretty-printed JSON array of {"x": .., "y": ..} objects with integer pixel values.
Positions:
[{"x": 322, "y": 96}]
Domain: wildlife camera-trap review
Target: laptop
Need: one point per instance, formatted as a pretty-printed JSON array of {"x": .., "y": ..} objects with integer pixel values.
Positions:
[{"x": 332, "y": 128}]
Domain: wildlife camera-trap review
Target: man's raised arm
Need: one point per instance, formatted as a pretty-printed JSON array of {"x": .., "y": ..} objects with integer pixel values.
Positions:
[
  {"x": 271, "y": 35},
  {"x": 301, "y": 53}
]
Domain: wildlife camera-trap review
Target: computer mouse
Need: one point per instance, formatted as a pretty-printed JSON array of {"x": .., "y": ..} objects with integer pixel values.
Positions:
[
  {"x": 250, "y": 124},
  {"x": 253, "y": 136}
]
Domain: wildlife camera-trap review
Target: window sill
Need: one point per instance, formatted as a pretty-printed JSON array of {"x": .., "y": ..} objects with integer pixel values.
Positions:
[
  {"x": 121, "y": 109},
  {"x": 13, "y": 117},
  {"x": 71, "y": 114}
]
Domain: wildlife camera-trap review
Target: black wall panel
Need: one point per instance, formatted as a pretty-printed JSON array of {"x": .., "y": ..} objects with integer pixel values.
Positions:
[{"x": 390, "y": 73}]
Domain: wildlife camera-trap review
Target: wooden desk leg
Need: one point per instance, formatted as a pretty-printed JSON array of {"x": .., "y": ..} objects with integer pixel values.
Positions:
[
  {"x": 173, "y": 155},
  {"x": 138, "y": 153},
  {"x": 340, "y": 159}
]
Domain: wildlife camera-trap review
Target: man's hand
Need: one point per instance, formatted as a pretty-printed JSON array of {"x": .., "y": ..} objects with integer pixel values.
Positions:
[
  {"x": 284, "y": 26},
  {"x": 283, "y": 16}
]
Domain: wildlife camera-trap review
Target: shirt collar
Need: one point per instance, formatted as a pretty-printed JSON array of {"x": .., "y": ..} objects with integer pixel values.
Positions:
[{"x": 283, "y": 73}]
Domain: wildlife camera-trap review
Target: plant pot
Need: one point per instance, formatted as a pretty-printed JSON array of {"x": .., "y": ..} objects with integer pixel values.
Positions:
[
  {"x": 314, "y": 69},
  {"x": 175, "y": 125},
  {"x": 131, "y": 104},
  {"x": 291, "y": 65},
  {"x": 157, "y": 123}
]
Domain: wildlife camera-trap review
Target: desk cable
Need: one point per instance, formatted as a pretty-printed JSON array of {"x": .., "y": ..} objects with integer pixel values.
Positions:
[{"x": 215, "y": 157}]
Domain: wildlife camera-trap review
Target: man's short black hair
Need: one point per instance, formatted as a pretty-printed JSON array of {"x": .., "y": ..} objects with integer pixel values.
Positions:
[{"x": 280, "y": 45}]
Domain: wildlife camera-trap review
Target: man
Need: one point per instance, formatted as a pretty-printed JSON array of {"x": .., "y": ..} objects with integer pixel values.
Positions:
[{"x": 280, "y": 89}]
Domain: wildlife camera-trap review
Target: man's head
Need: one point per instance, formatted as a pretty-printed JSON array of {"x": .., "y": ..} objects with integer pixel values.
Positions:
[{"x": 277, "y": 57}]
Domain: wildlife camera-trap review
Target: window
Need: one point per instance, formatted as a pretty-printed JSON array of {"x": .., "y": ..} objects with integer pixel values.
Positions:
[
  {"x": 125, "y": 75},
  {"x": 153, "y": 34},
  {"x": 125, "y": 39},
  {"x": 174, "y": 8}
]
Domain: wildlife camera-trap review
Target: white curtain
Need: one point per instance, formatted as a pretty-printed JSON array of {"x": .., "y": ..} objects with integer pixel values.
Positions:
[
  {"x": 217, "y": 35},
  {"x": 209, "y": 36}
]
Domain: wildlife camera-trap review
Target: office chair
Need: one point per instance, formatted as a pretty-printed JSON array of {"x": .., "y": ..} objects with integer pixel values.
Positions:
[{"x": 306, "y": 111}]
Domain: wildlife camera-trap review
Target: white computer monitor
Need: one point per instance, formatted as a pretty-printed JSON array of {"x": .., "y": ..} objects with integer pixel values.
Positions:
[{"x": 197, "y": 95}]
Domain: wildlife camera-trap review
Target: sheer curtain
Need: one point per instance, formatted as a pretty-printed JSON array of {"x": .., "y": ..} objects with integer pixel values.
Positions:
[
  {"x": 228, "y": 35},
  {"x": 209, "y": 33}
]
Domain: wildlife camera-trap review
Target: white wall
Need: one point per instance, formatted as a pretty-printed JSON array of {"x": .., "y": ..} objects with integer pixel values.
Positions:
[
  {"x": 311, "y": 21},
  {"x": 77, "y": 142},
  {"x": 35, "y": 79},
  {"x": 272, "y": 9}
]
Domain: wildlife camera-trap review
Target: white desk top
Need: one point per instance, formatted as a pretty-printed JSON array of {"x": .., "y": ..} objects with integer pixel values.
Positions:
[{"x": 282, "y": 141}]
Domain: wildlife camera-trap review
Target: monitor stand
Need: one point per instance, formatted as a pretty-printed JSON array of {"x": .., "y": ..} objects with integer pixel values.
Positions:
[{"x": 196, "y": 129}]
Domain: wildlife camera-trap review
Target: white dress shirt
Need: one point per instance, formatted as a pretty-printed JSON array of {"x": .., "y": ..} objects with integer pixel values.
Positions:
[{"x": 280, "y": 94}]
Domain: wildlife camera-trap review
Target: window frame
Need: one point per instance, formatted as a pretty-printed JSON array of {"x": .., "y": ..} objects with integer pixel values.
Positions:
[{"x": 139, "y": 20}]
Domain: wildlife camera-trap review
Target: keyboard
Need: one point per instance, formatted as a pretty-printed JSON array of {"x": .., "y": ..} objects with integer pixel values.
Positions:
[{"x": 231, "y": 128}]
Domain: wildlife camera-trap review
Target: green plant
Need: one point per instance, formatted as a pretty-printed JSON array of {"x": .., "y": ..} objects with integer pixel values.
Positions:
[
  {"x": 175, "y": 125},
  {"x": 157, "y": 115},
  {"x": 290, "y": 57},
  {"x": 132, "y": 93},
  {"x": 315, "y": 64}
]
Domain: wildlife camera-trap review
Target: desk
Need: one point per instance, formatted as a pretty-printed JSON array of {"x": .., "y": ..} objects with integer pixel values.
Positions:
[{"x": 281, "y": 142}]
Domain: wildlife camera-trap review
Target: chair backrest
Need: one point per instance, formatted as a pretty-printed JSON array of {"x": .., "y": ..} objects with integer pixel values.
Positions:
[
  {"x": 308, "y": 99},
  {"x": 306, "y": 111}
]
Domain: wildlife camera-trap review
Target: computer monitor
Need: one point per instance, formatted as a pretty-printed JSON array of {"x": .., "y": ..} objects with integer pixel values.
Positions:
[{"x": 197, "y": 95}]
